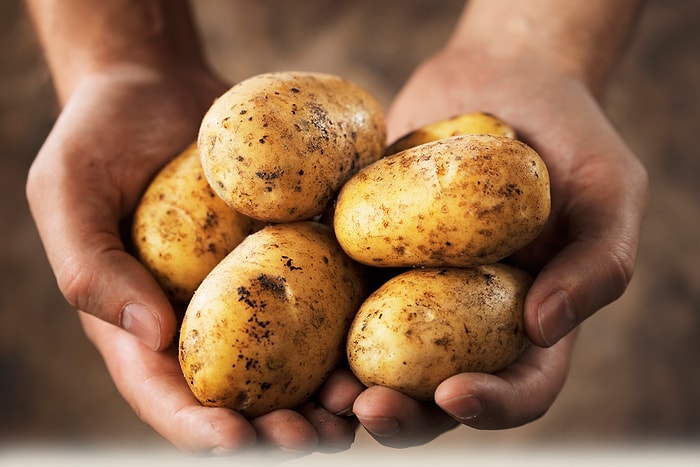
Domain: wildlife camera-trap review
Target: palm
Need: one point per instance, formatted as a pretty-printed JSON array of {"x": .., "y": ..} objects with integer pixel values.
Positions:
[{"x": 585, "y": 253}]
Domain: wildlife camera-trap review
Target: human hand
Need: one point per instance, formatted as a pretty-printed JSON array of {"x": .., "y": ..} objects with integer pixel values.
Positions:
[
  {"x": 153, "y": 384},
  {"x": 118, "y": 127},
  {"x": 583, "y": 260}
]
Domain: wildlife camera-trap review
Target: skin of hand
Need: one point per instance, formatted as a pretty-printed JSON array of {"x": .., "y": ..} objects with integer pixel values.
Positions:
[
  {"x": 583, "y": 260},
  {"x": 117, "y": 128},
  {"x": 121, "y": 124}
]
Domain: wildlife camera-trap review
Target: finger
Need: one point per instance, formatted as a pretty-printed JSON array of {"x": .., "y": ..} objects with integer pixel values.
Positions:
[
  {"x": 287, "y": 430},
  {"x": 396, "y": 420},
  {"x": 152, "y": 383},
  {"x": 518, "y": 395},
  {"x": 335, "y": 433},
  {"x": 77, "y": 215},
  {"x": 596, "y": 265},
  {"x": 339, "y": 392}
]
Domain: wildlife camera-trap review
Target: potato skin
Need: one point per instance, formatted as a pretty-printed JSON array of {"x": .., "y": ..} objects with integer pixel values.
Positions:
[
  {"x": 278, "y": 146},
  {"x": 268, "y": 324},
  {"x": 460, "y": 201},
  {"x": 181, "y": 229},
  {"x": 473, "y": 123},
  {"x": 425, "y": 325}
]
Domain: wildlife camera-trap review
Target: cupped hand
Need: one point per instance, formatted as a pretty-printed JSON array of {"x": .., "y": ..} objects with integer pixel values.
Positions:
[
  {"x": 582, "y": 261},
  {"x": 117, "y": 129},
  {"x": 114, "y": 132},
  {"x": 153, "y": 384}
]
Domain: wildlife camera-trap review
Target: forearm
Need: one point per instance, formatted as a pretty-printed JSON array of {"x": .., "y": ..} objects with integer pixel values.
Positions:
[
  {"x": 86, "y": 36},
  {"x": 582, "y": 38}
]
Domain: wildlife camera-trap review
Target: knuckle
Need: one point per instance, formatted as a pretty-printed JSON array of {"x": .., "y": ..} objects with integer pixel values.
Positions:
[
  {"x": 621, "y": 270},
  {"x": 75, "y": 281}
]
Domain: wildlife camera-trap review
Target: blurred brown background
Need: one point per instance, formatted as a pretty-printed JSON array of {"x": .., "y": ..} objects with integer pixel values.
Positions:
[{"x": 636, "y": 374}]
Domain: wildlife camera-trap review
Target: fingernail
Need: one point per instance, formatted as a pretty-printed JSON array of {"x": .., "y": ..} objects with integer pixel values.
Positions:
[
  {"x": 220, "y": 451},
  {"x": 463, "y": 407},
  {"x": 380, "y": 426},
  {"x": 346, "y": 412},
  {"x": 555, "y": 318},
  {"x": 141, "y": 322}
]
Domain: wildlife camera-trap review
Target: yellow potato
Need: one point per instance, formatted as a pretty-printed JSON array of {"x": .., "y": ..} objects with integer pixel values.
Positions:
[
  {"x": 268, "y": 324},
  {"x": 278, "y": 146},
  {"x": 425, "y": 325},
  {"x": 460, "y": 201},
  {"x": 474, "y": 123},
  {"x": 181, "y": 229}
]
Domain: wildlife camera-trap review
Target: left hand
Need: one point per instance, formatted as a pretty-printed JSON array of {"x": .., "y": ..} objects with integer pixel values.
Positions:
[
  {"x": 582, "y": 261},
  {"x": 519, "y": 394}
]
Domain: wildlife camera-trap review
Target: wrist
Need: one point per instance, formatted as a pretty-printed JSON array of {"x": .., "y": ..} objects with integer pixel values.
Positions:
[
  {"x": 582, "y": 42},
  {"x": 514, "y": 48},
  {"x": 83, "y": 38}
]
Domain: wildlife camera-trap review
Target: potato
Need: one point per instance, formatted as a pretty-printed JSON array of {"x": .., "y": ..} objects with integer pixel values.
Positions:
[
  {"x": 460, "y": 201},
  {"x": 181, "y": 229},
  {"x": 473, "y": 123},
  {"x": 268, "y": 324},
  {"x": 425, "y": 325},
  {"x": 278, "y": 146}
]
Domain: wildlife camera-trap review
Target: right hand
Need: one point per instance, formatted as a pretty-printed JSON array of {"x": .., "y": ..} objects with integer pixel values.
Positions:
[{"x": 117, "y": 129}]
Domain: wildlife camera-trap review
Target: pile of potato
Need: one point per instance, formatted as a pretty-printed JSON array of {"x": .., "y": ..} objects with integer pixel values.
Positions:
[{"x": 295, "y": 238}]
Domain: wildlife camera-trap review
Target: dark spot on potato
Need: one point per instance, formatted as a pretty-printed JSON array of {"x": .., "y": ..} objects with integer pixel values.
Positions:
[
  {"x": 289, "y": 264},
  {"x": 269, "y": 175},
  {"x": 489, "y": 278},
  {"x": 295, "y": 90},
  {"x": 276, "y": 285},
  {"x": 241, "y": 400},
  {"x": 509, "y": 190},
  {"x": 399, "y": 250},
  {"x": 211, "y": 220},
  {"x": 244, "y": 296}
]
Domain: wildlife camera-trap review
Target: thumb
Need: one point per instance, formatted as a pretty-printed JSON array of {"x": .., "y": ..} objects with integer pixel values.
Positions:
[
  {"x": 77, "y": 215},
  {"x": 596, "y": 265}
]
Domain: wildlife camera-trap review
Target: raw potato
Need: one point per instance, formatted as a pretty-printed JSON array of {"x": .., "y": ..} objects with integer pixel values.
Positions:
[
  {"x": 278, "y": 146},
  {"x": 181, "y": 229},
  {"x": 474, "y": 123},
  {"x": 426, "y": 325},
  {"x": 268, "y": 324},
  {"x": 460, "y": 201}
]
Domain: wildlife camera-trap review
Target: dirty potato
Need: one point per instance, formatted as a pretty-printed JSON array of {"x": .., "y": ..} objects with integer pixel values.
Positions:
[
  {"x": 278, "y": 146},
  {"x": 460, "y": 201},
  {"x": 473, "y": 123},
  {"x": 268, "y": 324},
  {"x": 181, "y": 229},
  {"x": 425, "y": 325}
]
